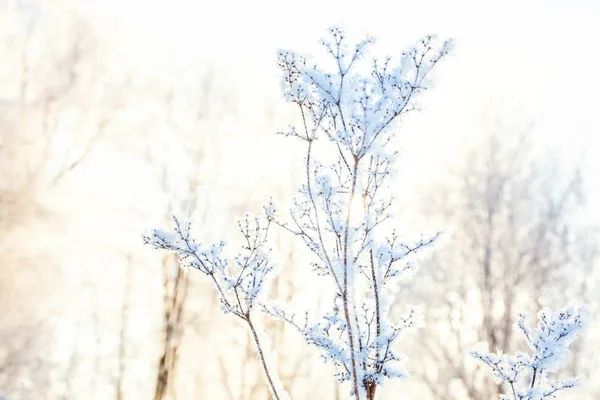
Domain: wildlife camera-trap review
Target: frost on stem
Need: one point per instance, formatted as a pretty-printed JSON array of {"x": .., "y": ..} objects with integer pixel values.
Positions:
[
  {"x": 239, "y": 284},
  {"x": 342, "y": 211},
  {"x": 529, "y": 376}
]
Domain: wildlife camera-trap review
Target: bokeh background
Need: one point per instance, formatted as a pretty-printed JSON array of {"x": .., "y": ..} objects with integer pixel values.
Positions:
[{"x": 116, "y": 114}]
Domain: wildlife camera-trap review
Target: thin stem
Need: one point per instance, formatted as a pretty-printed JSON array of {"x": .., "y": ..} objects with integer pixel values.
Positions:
[
  {"x": 512, "y": 386},
  {"x": 314, "y": 204},
  {"x": 262, "y": 358},
  {"x": 345, "y": 296},
  {"x": 533, "y": 378}
]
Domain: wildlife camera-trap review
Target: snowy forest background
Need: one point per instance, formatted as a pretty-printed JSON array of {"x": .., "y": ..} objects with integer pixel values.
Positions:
[{"x": 115, "y": 115}]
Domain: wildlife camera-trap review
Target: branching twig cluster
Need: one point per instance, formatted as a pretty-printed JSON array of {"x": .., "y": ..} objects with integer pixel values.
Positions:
[
  {"x": 341, "y": 211},
  {"x": 239, "y": 285},
  {"x": 529, "y": 376}
]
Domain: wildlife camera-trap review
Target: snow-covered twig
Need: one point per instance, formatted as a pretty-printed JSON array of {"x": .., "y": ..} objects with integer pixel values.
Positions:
[
  {"x": 239, "y": 285},
  {"x": 529, "y": 376}
]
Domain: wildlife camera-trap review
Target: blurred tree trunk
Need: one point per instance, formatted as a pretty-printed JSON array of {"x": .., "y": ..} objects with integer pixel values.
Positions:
[
  {"x": 123, "y": 329},
  {"x": 175, "y": 287}
]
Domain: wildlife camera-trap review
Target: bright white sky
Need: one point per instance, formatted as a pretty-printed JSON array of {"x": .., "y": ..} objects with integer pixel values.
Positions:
[{"x": 537, "y": 60}]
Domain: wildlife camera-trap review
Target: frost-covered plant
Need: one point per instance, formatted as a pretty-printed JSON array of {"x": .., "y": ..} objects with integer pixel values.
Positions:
[
  {"x": 342, "y": 212},
  {"x": 239, "y": 285},
  {"x": 530, "y": 376}
]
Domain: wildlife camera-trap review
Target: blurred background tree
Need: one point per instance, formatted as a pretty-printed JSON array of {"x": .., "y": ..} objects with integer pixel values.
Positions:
[{"x": 517, "y": 239}]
